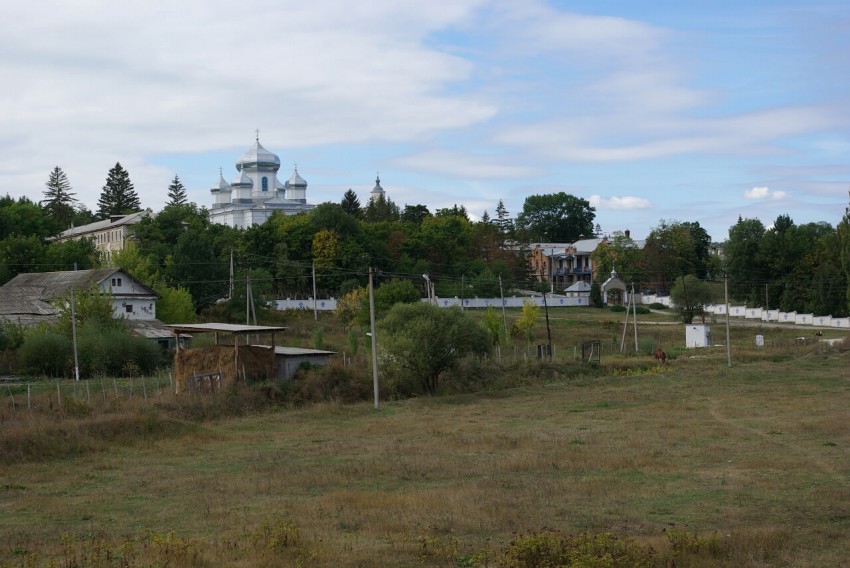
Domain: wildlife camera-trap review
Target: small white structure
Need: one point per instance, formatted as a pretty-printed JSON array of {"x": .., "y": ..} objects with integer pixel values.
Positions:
[{"x": 697, "y": 335}]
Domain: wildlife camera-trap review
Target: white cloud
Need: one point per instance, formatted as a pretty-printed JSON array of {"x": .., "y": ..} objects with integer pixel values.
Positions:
[
  {"x": 98, "y": 82},
  {"x": 764, "y": 193},
  {"x": 463, "y": 165},
  {"x": 625, "y": 202}
]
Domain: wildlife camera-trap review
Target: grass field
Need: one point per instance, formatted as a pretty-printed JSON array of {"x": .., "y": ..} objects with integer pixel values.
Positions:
[{"x": 751, "y": 463}]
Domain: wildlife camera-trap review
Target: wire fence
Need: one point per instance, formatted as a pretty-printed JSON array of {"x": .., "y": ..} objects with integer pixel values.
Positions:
[{"x": 31, "y": 395}]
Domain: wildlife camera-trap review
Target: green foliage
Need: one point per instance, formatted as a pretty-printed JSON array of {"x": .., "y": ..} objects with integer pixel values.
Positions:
[
  {"x": 556, "y": 218},
  {"x": 525, "y": 323},
  {"x": 46, "y": 352},
  {"x": 350, "y": 305},
  {"x": 596, "y": 294},
  {"x": 79, "y": 254},
  {"x": 318, "y": 337},
  {"x": 118, "y": 197},
  {"x": 331, "y": 383},
  {"x": 353, "y": 340},
  {"x": 174, "y": 305},
  {"x": 109, "y": 350},
  {"x": 618, "y": 308},
  {"x": 115, "y": 352},
  {"x": 550, "y": 548},
  {"x": 657, "y": 306},
  {"x": 58, "y": 199},
  {"x": 176, "y": 192},
  {"x": 690, "y": 296},
  {"x": 88, "y": 306},
  {"x": 687, "y": 545},
  {"x": 196, "y": 266},
  {"x": 19, "y": 255},
  {"x": 395, "y": 291},
  {"x": 425, "y": 341},
  {"x": 673, "y": 249},
  {"x": 494, "y": 324}
]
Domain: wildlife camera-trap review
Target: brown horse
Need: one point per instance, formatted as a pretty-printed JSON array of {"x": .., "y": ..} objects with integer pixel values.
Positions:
[{"x": 661, "y": 356}]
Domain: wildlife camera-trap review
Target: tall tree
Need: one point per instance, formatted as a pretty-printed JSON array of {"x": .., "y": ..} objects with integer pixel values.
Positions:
[
  {"x": 382, "y": 209},
  {"x": 351, "y": 204},
  {"x": 844, "y": 247},
  {"x": 58, "y": 199},
  {"x": 118, "y": 197},
  {"x": 176, "y": 192},
  {"x": 556, "y": 217},
  {"x": 415, "y": 214},
  {"x": 745, "y": 262},
  {"x": 503, "y": 221},
  {"x": 674, "y": 249}
]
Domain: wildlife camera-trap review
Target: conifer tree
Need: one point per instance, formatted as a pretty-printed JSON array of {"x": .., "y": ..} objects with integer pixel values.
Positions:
[
  {"x": 118, "y": 196},
  {"x": 176, "y": 192},
  {"x": 351, "y": 204},
  {"x": 58, "y": 199}
]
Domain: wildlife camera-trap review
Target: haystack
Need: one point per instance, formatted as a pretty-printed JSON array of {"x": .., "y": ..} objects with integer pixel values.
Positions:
[{"x": 250, "y": 364}]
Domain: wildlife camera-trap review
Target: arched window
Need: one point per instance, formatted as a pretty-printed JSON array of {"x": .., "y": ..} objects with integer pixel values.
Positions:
[{"x": 265, "y": 183}]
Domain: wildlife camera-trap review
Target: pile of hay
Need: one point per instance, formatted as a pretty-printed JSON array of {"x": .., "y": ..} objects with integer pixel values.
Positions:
[{"x": 251, "y": 364}]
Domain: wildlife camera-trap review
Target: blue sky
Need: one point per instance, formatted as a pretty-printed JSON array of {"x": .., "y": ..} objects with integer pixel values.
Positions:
[{"x": 699, "y": 111}]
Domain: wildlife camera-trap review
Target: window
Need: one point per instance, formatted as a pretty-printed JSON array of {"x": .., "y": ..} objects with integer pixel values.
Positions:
[
  {"x": 129, "y": 308},
  {"x": 113, "y": 283},
  {"x": 265, "y": 183}
]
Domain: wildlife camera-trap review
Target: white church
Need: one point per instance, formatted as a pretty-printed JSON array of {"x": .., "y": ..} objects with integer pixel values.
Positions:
[{"x": 255, "y": 192}]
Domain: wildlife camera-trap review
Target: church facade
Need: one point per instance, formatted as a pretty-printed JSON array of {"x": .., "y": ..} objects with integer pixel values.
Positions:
[{"x": 256, "y": 192}]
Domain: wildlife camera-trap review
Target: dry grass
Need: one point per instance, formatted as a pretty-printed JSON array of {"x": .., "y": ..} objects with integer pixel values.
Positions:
[{"x": 710, "y": 465}]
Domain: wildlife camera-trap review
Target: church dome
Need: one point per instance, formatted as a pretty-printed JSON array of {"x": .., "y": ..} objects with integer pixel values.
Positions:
[
  {"x": 242, "y": 179},
  {"x": 296, "y": 180},
  {"x": 221, "y": 185},
  {"x": 258, "y": 156}
]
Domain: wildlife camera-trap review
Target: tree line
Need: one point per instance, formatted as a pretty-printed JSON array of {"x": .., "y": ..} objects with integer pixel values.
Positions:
[{"x": 787, "y": 266}]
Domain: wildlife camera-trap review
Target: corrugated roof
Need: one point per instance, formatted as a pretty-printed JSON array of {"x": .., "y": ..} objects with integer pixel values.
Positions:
[
  {"x": 130, "y": 219},
  {"x": 52, "y": 285}
]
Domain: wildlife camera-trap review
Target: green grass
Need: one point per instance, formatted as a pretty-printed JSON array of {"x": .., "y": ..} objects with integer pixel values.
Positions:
[{"x": 708, "y": 465}]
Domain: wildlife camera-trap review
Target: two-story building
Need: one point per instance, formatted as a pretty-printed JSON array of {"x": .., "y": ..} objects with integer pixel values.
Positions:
[{"x": 564, "y": 264}]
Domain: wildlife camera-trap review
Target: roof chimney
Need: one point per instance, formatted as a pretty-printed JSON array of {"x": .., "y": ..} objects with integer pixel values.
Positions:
[{"x": 628, "y": 234}]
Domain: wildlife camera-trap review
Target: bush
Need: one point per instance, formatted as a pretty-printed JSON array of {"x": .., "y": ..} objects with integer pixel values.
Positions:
[
  {"x": 657, "y": 306},
  {"x": 330, "y": 383},
  {"x": 551, "y": 548},
  {"x": 46, "y": 352},
  {"x": 618, "y": 308}
]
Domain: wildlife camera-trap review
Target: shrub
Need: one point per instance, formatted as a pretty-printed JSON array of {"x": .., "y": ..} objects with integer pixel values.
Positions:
[
  {"x": 551, "y": 548},
  {"x": 331, "y": 383},
  {"x": 618, "y": 308},
  {"x": 657, "y": 306},
  {"x": 46, "y": 352}
]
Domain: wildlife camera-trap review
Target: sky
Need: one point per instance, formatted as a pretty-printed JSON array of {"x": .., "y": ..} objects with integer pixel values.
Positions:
[{"x": 703, "y": 111}]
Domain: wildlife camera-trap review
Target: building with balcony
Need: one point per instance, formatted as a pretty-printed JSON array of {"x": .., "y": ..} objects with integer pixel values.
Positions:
[{"x": 564, "y": 264}]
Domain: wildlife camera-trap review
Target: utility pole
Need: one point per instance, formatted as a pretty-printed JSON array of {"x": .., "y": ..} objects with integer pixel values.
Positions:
[
  {"x": 230, "y": 288},
  {"x": 315, "y": 309},
  {"x": 634, "y": 315},
  {"x": 548, "y": 329},
  {"x": 726, "y": 299},
  {"x": 374, "y": 338},
  {"x": 74, "y": 331},
  {"x": 504, "y": 315}
]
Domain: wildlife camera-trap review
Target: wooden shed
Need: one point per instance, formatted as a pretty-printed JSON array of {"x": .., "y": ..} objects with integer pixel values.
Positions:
[{"x": 232, "y": 358}]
